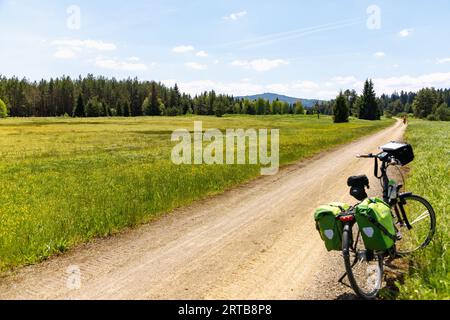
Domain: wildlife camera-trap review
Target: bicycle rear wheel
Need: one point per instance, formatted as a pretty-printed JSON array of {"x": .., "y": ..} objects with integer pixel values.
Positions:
[
  {"x": 419, "y": 227},
  {"x": 364, "y": 268}
]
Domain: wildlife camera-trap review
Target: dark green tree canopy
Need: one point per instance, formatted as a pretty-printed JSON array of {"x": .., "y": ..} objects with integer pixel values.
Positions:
[
  {"x": 79, "y": 108},
  {"x": 424, "y": 103},
  {"x": 94, "y": 108},
  {"x": 341, "y": 110},
  {"x": 368, "y": 105},
  {"x": 131, "y": 97}
]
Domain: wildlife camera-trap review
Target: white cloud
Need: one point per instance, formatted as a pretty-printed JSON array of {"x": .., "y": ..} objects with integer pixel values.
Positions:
[
  {"x": 379, "y": 55},
  {"x": 298, "y": 87},
  {"x": 134, "y": 59},
  {"x": 442, "y": 60},
  {"x": 306, "y": 86},
  {"x": 235, "y": 16},
  {"x": 239, "y": 88},
  {"x": 202, "y": 54},
  {"x": 315, "y": 90},
  {"x": 196, "y": 66},
  {"x": 65, "y": 53},
  {"x": 183, "y": 49},
  {"x": 260, "y": 65},
  {"x": 405, "y": 33},
  {"x": 412, "y": 83},
  {"x": 115, "y": 64},
  {"x": 85, "y": 44},
  {"x": 343, "y": 80}
]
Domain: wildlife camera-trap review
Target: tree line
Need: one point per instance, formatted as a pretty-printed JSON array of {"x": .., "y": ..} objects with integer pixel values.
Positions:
[
  {"x": 101, "y": 97},
  {"x": 427, "y": 103}
]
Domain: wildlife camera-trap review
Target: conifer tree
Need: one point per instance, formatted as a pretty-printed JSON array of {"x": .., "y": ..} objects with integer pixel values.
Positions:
[
  {"x": 341, "y": 111},
  {"x": 79, "y": 108},
  {"x": 368, "y": 106}
]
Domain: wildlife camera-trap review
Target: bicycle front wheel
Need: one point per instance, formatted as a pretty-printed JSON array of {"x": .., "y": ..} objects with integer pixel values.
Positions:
[
  {"x": 416, "y": 222},
  {"x": 364, "y": 267}
]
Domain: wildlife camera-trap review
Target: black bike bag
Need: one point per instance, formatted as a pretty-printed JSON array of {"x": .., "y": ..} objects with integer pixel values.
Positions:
[{"x": 402, "y": 152}]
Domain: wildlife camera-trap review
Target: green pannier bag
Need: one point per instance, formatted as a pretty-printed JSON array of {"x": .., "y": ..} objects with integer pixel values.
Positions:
[
  {"x": 376, "y": 224},
  {"x": 330, "y": 228}
]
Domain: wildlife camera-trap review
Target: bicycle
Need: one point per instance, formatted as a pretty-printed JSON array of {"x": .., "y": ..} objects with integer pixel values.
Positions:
[{"x": 414, "y": 219}]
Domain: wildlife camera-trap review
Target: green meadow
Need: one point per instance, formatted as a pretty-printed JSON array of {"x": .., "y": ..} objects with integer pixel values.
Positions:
[
  {"x": 66, "y": 181},
  {"x": 429, "y": 274}
]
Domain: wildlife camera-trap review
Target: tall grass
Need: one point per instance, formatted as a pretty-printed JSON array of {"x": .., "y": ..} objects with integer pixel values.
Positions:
[
  {"x": 429, "y": 276},
  {"x": 66, "y": 181}
]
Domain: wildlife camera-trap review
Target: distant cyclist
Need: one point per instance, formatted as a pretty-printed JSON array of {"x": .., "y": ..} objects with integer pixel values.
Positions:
[{"x": 405, "y": 120}]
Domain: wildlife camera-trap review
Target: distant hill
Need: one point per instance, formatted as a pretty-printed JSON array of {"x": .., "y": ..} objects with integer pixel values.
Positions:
[{"x": 308, "y": 103}]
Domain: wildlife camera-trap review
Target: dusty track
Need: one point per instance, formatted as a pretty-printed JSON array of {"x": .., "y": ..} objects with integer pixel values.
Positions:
[{"x": 257, "y": 241}]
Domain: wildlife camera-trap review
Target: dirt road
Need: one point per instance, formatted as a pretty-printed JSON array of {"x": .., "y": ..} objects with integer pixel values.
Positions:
[{"x": 257, "y": 241}]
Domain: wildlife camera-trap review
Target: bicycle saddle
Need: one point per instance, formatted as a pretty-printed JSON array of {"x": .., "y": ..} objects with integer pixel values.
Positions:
[
  {"x": 357, "y": 186},
  {"x": 358, "y": 181}
]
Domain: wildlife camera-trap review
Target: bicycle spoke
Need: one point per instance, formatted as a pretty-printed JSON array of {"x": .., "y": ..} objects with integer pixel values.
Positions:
[
  {"x": 421, "y": 215},
  {"x": 424, "y": 215}
]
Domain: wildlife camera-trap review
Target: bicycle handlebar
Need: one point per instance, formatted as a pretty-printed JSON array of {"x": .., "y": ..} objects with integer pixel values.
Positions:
[
  {"x": 383, "y": 156},
  {"x": 370, "y": 155}
]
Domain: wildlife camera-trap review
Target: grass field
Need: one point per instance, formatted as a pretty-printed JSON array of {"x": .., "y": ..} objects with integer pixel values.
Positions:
[
  {"x": 66, "y": 181},
  {"x": 429, "y": 277}
]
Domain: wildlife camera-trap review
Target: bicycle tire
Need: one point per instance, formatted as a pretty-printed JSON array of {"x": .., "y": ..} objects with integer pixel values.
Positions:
[
  {"x": 349, "y": 261},
  {"x": 409, "y": 199}
]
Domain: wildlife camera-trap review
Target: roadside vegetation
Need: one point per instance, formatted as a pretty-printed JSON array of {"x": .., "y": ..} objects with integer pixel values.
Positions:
[
  {"x": 429, "y": 274},
  {"x": 65, "y": 181}
]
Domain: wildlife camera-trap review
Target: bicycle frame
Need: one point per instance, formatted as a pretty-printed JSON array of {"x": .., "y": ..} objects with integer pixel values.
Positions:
[
  {"x": 397, "y": 202},
  {"x": 384, "y": 178}
]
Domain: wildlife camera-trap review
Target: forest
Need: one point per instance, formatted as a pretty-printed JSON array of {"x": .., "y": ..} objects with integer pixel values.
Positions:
[
  {"x": 92, "y": 96},
  {"x": 101, "y": 97}
]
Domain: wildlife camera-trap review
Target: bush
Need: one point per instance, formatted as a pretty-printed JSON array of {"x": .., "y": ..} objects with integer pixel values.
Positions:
[
  {"x": 94, "y": 108},
  {"x": 3, "y": 109},
  {"x": 432, "y": 117},
  {"x": 443, "y": 112},
  {"x": 388, "y": 114}
]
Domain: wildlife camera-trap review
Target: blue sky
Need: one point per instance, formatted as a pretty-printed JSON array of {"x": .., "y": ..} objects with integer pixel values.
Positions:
[{"x": 308, "y": 49}]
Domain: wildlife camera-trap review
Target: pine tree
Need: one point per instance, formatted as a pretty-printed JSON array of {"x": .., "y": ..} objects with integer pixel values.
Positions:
[
  {"x": 79, "y": 108},
  {"x": 341, "y": 111},
  {"x": 175, "y": 98},
  {"x": 154, "y": 104},
  {"x": 368, "y": 108},
  {"x": 119, "y": 112},
  {"x": 126, "y": 109}
]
